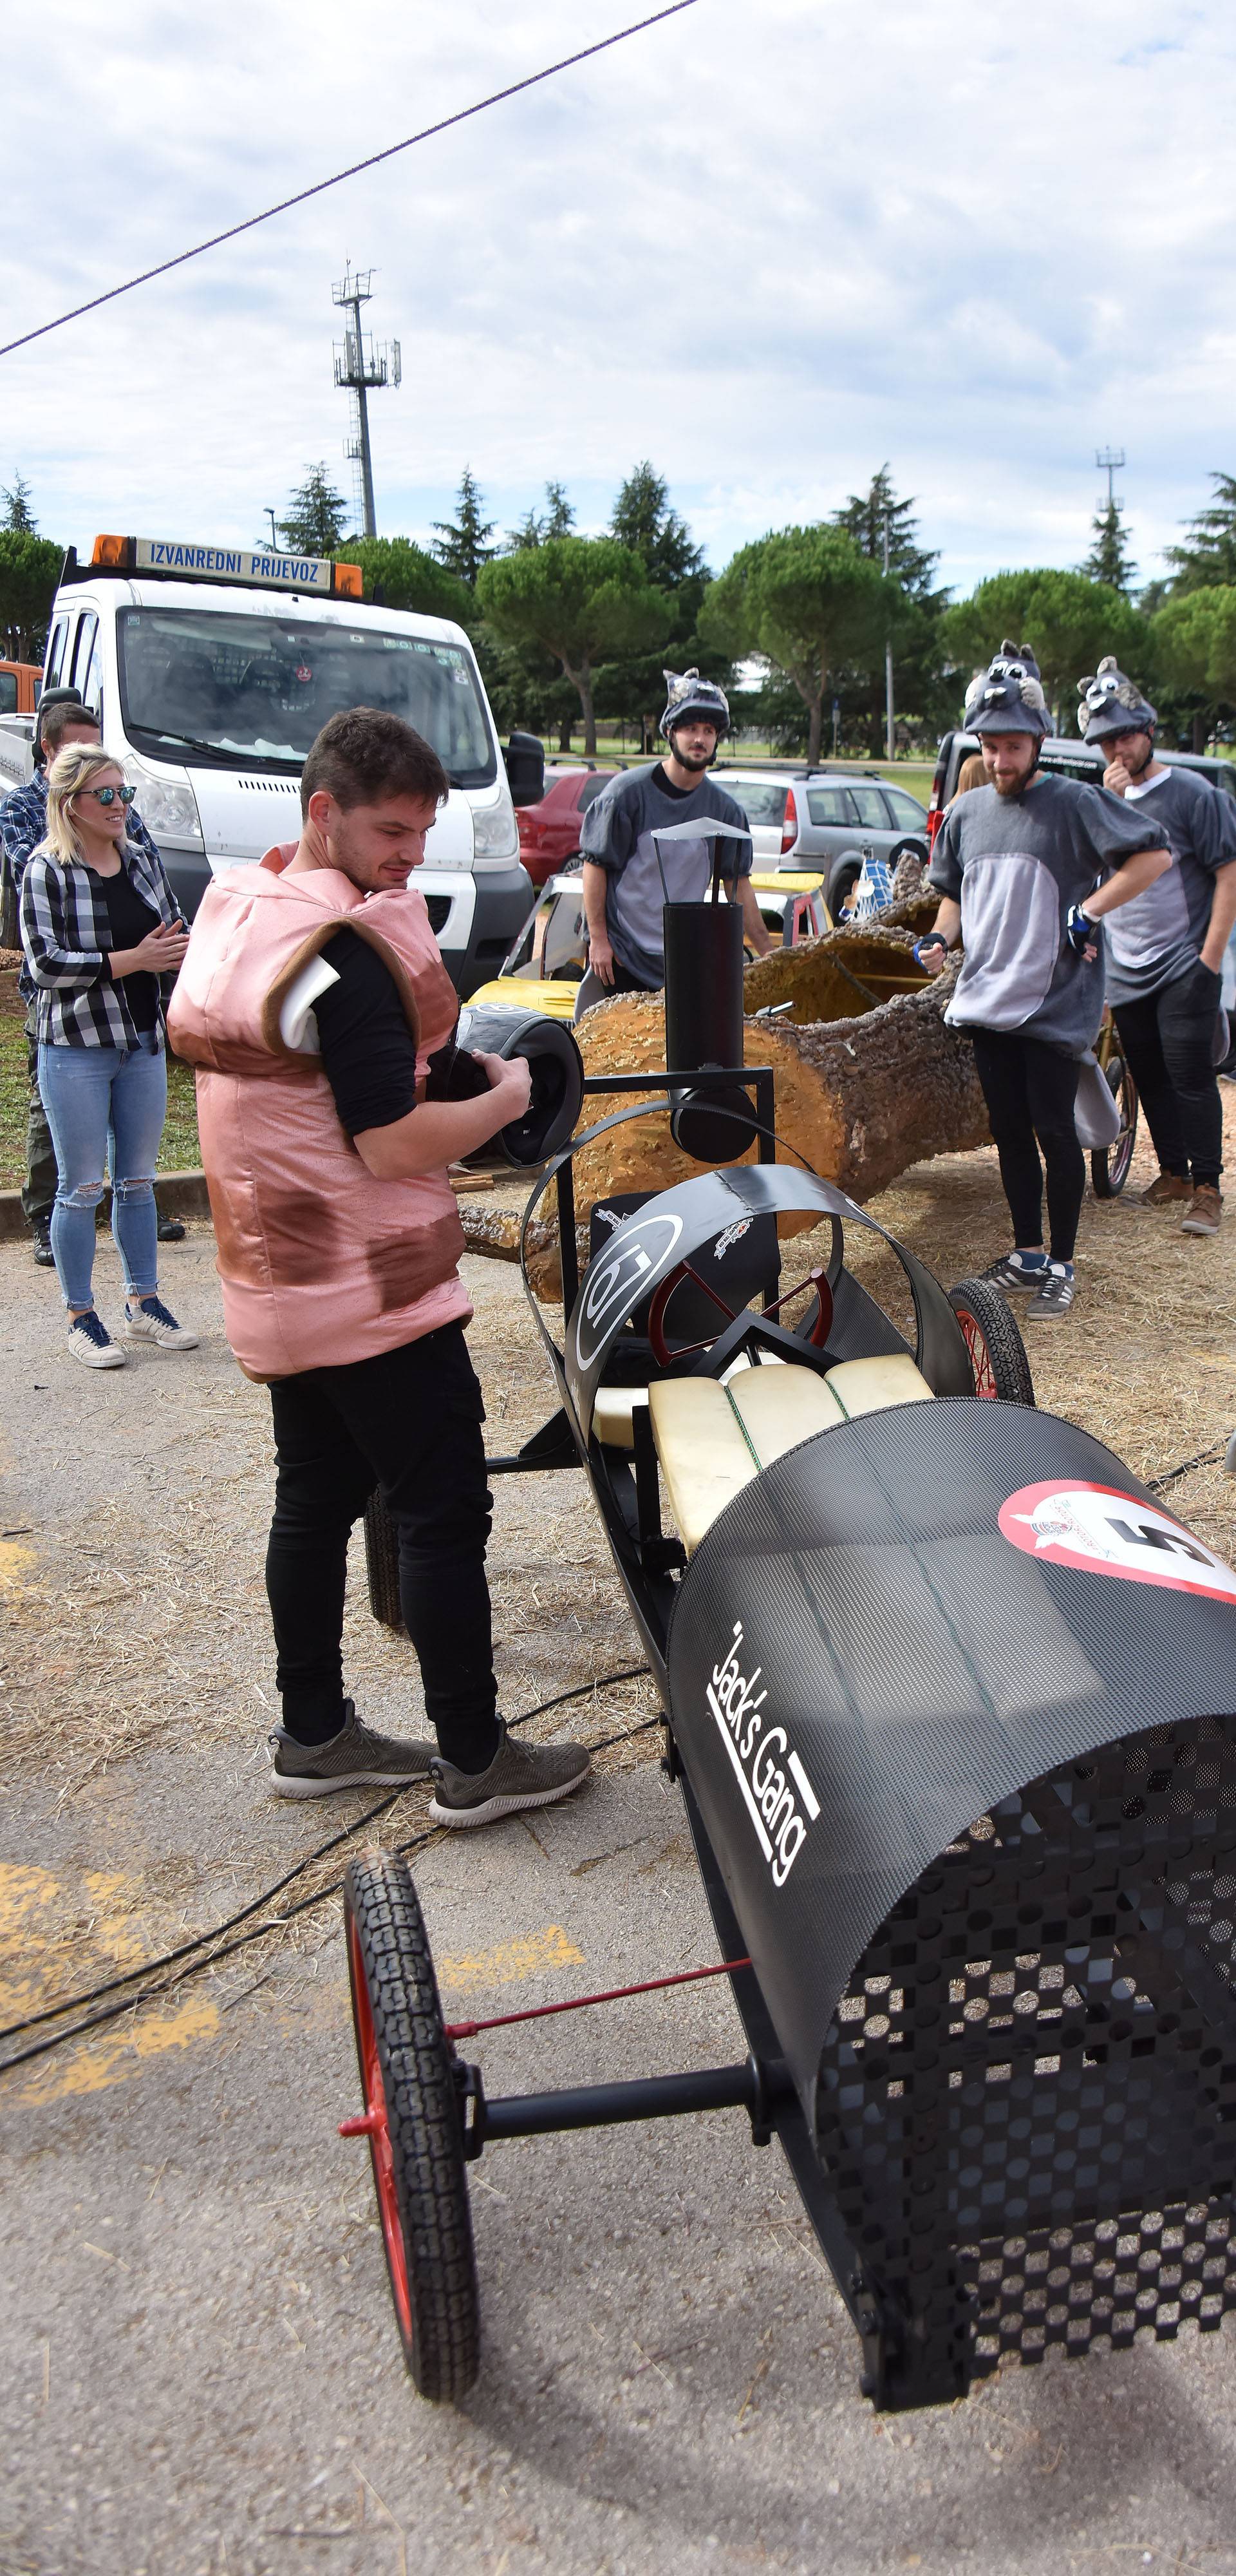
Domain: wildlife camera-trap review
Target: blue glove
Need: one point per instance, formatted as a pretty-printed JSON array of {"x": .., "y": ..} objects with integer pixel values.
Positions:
[
  {"x": 934, "y": 939},
  {"x": 1080, "y": 932}
]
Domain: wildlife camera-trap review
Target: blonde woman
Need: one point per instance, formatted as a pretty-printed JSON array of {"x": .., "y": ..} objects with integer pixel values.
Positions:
[{"x": 99, "y": 926}]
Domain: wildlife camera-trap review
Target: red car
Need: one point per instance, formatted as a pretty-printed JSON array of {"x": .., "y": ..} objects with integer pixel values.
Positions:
[{"x": 549, "y": 832}]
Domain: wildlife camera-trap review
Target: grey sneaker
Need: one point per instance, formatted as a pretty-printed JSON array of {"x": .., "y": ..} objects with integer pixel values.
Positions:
[
  {"x": 1055, "y": 1296},
  {"x": 356, "y": 1758},
  {"x": 92, "y": 1344},
  {"x": 1011, "y": 1272},
  {"x": 520, "y": 1775},
  {"x": 150, "y": 1321}
]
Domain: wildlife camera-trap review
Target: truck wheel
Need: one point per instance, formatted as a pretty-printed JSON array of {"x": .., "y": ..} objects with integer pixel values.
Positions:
[
  {"x": 1109, "y": 1169},
  {"x": 998, "y": 1362},
  {"x": 382, "y": 1563},
  {"x": 411, "y": 2118},
  {"x": 843, "y": 876}
]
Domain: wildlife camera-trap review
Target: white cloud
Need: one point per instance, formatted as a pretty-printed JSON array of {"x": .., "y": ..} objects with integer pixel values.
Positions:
[{"x": 767, "y": 249}]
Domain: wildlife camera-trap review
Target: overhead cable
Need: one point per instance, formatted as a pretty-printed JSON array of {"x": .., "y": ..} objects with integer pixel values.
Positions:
[{"x": 461, "y": 116}]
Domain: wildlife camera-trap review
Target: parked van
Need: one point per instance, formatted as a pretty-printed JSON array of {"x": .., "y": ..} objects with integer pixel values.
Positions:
[
  {"x": 20, "y": 683},
  {"x": 212, "y": 668}
]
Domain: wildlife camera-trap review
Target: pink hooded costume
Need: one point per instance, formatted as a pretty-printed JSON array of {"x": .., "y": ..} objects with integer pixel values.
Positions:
[{"x": 321, "y": 1263}]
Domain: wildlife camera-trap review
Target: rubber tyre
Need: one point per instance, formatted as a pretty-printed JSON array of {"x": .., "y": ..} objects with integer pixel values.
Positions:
[
  {"x": 998, "y": 1362},
  {"x": 843, "y": 876},
  {"x": 1109, "y": 1169},
  {"x": 382, "y": 1564},
  {"x": 419, "y": 2173}
]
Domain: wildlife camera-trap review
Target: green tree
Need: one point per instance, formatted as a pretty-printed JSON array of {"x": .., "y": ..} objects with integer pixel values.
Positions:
[
  {"x": 463, "y": 541},
  {"x": 30, "y": 569},
  {"x": 643, "y": 520},
  {"x": 18, "y": 514},
  {"x": 1194, "y": 639},
  {"x": 1109, "y": 559},
  {"x": 404, "y": 576},
  {"x": 316, "y": 516},
  {"x": 1207, "y": 559},
  {"x": 1069, "y": 620},
  {"x": 915, "y": 637},
  {"x": 580, "y": 599},
  {"x": 810, "y": 602},
  {"x": 633, "y": 690},
  {"x": 558, "y": 520}
]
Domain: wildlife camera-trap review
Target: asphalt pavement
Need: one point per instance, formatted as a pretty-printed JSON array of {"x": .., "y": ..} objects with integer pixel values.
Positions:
[{"x": 197, "y": 2350}]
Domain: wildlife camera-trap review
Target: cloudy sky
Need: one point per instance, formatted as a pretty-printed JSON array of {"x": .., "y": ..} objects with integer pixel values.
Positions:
[{"x": 768, "y": 246}]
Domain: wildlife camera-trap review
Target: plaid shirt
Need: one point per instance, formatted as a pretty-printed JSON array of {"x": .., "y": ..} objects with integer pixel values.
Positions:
[
  {"x": 66, "y": 934},
  {"x": 23, "y": 824}
]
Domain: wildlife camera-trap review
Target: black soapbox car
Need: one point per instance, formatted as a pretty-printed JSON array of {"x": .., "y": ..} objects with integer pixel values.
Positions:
[{"x": 951, "y": 1701}]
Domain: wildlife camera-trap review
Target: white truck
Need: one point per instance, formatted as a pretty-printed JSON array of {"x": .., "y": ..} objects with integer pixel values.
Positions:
[{"x": 211, "y": 669}]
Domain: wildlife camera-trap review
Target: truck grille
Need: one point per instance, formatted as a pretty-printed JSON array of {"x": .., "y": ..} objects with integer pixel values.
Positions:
[{"x": 438, "y": 907}]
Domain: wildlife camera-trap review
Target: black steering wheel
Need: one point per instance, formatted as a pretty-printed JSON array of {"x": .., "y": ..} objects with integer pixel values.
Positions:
[{"x": 815, "y": 1332}]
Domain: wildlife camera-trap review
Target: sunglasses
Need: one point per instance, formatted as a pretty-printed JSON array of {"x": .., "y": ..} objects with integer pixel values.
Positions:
[{"x": 108, "y": 795}]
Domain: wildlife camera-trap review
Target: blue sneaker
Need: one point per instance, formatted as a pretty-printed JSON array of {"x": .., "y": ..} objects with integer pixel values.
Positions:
[{"x": 1018, "y": 1270}]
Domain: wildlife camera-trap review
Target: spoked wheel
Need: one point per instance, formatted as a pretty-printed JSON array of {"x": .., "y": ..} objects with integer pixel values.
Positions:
[
  {"x": 998, "y": 1363},
  {"x": 412, "y": 2121},
  {"x": 813, "y": 1327},
  {"x": 1109, "y": 1169},
  {"x": 382, "y": 1563}
]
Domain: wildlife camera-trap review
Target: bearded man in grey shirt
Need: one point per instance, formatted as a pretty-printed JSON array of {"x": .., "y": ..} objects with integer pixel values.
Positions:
[
  {"x": 628, "y": 881},
  {"x": 1027, "y": 868},
  {"x": 1164, "y": 969}
]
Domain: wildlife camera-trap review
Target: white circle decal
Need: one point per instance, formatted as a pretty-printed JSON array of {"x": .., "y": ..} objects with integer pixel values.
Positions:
[
  {"x": 1103, "y": 1531},
  {"x": 620, "y": 1276}
]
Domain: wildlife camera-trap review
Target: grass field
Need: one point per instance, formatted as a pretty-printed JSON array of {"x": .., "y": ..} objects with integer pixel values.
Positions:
[{"x": 914, "y": 775}]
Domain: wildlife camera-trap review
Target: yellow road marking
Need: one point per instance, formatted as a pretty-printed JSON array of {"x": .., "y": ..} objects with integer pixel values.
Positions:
[
  {"x": 511, "y": 1961},
  {"x": 15, "y": 1563},
  {"x": 112, "y": 2059}
]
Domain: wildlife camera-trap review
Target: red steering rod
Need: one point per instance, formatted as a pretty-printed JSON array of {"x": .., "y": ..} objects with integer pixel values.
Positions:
[{"x": 665, "y": 1357}]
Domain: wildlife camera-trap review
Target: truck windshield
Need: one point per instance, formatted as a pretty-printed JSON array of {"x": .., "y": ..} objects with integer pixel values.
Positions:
[{"x": 251, "y": 692}]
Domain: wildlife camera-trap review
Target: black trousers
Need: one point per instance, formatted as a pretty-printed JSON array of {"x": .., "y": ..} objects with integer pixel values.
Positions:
[
  {"x": 1030, "y": 1090},
  {"x": 1168, "y": 1041},
  {"x": 408, "y": 1422}
]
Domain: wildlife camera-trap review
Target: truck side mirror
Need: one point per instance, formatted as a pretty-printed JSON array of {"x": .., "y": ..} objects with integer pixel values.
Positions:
[{"x": 525, "y": 768}]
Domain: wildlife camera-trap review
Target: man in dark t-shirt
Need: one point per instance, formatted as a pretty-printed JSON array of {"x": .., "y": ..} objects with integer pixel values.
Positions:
[
  {"x": 629, "y": 878},
  {"x": 1165, "y": 953}
]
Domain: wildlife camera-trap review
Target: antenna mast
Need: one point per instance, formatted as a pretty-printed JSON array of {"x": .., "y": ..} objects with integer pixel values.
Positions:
[
  {"x": 1110, "y": 463},
  {"x": 361, "y": 368}
]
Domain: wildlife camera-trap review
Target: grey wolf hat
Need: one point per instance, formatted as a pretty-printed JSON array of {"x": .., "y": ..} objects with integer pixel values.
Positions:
[
  {"x": 1008, "y": 696},
  {"x": 1111, "y": 704},
  {"x": 687, "y": 695}
]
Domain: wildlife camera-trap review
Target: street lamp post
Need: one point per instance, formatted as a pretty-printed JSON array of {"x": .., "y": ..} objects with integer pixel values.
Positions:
[{"x": 888, "y": 668}]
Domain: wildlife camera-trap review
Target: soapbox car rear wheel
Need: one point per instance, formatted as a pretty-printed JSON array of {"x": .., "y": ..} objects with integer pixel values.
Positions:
[
  {"x": 412, "y": 2121},
  {"x": 813, "y": 1327},
  {"x": 382, "y": 1563},
  {"x": 998, "y": 1363},
  {"x": 1109, "y": 1169}
]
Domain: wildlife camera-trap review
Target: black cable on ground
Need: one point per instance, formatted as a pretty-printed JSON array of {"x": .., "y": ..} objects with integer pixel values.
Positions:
[
  {"x": 202, "y": 1940},
  {"x": 461, "y": 116},
  {"x": 1205, "y": 1458}
]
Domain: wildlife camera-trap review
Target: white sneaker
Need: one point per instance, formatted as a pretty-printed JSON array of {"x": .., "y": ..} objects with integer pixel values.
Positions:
[
  {"x": 92, "y": 1344},
  {"x": 150, "y": 1321}
]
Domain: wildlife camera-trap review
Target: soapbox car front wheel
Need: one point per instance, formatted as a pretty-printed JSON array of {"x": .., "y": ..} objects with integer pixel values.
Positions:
[
  {"x": 998, "y": 1363},
  {"x": 412, "y": 2121}
]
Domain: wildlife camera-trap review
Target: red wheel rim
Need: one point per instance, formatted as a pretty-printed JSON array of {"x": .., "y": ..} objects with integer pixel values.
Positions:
[
  {"x": 380, "y": 2137},
  {"x": 981, "y": 1370}
]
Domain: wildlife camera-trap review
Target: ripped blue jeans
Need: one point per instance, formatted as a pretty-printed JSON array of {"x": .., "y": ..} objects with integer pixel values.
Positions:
[{"x": 88, "y": 1092}]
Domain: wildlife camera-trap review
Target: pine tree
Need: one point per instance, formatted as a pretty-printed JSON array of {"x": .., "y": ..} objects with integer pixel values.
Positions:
[
  {"x": 462, "y": 541},
  {"x": 643, "y": 519},
  {"x": 317, "y": 516},
  {"x": 18, "y": 514},
  {"x": 915, "y": 641},
  {"x": 534, "y": 527},
  {"x": 1109, "y": 559},
  {"x": 1208, "y": 556}
]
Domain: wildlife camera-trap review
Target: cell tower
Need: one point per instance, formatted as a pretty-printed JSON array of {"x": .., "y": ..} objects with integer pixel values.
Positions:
[
  {"x": 1110, "y": 463},
  {"x": 361, "y": 368}
]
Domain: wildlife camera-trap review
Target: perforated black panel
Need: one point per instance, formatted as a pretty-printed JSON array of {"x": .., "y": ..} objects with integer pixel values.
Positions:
[{"x": 1027, "y": 2100}]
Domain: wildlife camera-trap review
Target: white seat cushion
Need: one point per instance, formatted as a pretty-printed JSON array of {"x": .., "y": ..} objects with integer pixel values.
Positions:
[
  {"x": 866, "y": 1386},
  {"x": 781, "y": 1406},
  {"x": 613, "y": 1414},
  {"x": 704, "y": 1458}
]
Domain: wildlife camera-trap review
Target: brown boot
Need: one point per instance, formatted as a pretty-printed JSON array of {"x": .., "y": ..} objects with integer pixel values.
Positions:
[
  {"x": 1164, "y": 1187},
  {"x": 1205, "y": 1213}
]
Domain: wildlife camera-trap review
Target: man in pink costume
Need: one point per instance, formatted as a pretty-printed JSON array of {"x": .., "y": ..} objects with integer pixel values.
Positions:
[{"x": 331, "y": 1099}]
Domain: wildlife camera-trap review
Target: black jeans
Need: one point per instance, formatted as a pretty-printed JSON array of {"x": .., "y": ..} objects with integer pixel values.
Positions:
[
  {"x": 1031, "y": 1090},
  {"x": 409, "y": 1422},
  {"x": 1168, "y": 1042}
]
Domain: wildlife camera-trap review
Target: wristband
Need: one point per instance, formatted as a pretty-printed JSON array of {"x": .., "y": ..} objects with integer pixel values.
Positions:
[
  {"x": 934, "y": 939},
  {"x": 1080, "y": 932}
]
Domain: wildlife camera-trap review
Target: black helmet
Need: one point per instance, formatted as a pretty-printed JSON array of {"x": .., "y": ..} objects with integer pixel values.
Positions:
[
  {"x": 1008, "y": 696},
  {"x": 1111, "y": 704},
  {"x": 687, "y": 695}
]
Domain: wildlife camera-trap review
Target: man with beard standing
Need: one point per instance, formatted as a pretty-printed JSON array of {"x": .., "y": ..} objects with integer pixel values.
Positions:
[
  {"x": 1165, "y": 966},
  {"x": 1027, "y": 867},
  {"x": 627, "y": 881}
]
